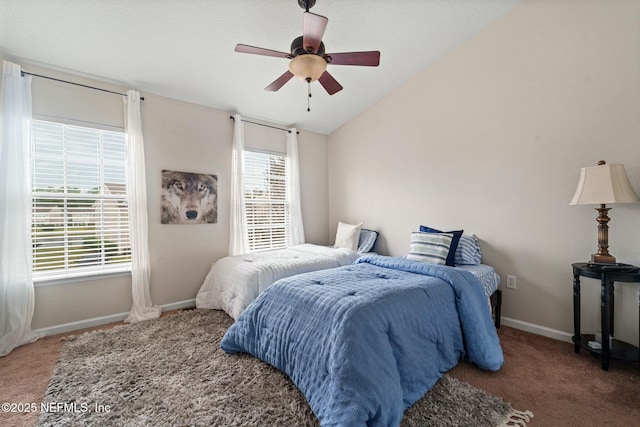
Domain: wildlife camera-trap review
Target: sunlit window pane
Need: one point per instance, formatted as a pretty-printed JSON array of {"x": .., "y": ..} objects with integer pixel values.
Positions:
[
  {"x": 80, "y": 219},
  {"x": 266, "y": 202}
]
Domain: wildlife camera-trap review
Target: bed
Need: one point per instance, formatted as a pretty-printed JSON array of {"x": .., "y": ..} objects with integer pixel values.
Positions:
[
  {"x": 365, "y": 341},
  {"x": 234, "y": 282}
]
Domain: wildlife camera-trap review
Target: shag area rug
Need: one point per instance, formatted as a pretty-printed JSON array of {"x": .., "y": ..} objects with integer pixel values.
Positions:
[{"x": 171, "y": 371}]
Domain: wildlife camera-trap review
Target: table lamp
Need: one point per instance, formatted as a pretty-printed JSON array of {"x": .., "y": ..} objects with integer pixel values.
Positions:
[{"x": 601, "y": 185}]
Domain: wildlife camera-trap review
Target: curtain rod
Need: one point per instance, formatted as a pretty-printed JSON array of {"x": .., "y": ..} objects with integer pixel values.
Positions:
[
  {"x": 74, "y": 83},
  {"x": 262, "y": 124}
]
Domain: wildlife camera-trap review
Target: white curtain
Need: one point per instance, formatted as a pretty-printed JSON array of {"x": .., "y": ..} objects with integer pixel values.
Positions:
[
  {"x": 296, "y": 227},
  {"x": 238, "y": 242},
  {"x": 16, "y": 286},
  {"x": 142, "y": 308}
]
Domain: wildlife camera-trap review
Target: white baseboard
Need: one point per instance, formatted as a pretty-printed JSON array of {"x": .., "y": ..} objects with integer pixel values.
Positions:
[
  {"x": 104, "y": 320},
  {"x": 536, "y": 329}
]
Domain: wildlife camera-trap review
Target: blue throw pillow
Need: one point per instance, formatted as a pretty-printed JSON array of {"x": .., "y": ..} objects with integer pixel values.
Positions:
[
  {"x": 468, "y": 252},
  {"x": 451, "y": 256},
  {"x": 367, "y": 240}
]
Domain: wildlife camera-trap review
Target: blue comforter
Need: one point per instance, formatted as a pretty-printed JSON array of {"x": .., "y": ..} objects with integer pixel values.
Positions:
[{"x": 365, "y": 341}]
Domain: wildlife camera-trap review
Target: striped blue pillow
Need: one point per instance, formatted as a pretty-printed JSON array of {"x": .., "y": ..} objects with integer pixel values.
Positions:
[
  {"x": 367, "y": 240},
  {"x": 432, "y": 248},
  {"x": 468, "y": 251}
]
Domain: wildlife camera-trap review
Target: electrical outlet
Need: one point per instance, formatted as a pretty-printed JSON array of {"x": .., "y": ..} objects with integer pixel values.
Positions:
[{"x": 511, "y": 282}]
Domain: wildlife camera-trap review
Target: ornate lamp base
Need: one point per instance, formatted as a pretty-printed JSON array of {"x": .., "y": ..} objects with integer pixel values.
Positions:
[{"x": 603, "y": 255}]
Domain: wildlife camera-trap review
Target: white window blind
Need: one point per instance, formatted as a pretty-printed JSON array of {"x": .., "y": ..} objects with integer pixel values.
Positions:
[
  {"x": 80, "y": 222},
  {"x": 266, "y": 204}
]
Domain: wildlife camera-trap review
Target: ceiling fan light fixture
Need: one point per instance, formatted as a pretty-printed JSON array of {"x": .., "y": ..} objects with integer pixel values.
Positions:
[
  {"x": 307, "y": 67},
  {"x": 308, "y": 60}
]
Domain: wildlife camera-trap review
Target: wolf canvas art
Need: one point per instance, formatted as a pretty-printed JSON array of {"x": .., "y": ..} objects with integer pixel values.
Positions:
[{"x": 189, "y": 198}]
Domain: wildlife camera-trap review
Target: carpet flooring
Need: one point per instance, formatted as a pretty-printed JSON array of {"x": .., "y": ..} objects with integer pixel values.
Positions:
[{"x": 171, "y": 371}]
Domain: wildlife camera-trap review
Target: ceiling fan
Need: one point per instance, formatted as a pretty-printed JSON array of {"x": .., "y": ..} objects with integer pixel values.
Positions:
[{"x": 308, "y": 60}]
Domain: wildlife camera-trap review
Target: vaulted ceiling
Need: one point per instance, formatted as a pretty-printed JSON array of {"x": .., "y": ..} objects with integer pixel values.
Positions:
[{"x": 185, "y": 49}]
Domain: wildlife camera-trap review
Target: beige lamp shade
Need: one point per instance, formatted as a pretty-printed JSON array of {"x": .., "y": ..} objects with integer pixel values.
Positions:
[
  {"x": 603, "y": 184},
  {"x": 308, "y": 67}
]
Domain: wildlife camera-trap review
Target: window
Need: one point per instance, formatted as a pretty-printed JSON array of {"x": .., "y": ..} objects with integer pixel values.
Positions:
[
  {"x": 266, "y": 203},
  {"x": 80, "y": 222}
]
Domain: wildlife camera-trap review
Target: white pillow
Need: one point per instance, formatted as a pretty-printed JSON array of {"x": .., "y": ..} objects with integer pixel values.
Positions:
[{"x": 348, "y": 236}]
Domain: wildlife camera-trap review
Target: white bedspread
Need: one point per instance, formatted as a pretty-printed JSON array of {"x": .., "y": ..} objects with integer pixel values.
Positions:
[{"x": 234, "y": 282}]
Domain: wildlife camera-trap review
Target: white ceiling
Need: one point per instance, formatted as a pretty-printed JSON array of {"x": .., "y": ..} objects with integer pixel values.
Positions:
[{"x": 184, "y": 49}]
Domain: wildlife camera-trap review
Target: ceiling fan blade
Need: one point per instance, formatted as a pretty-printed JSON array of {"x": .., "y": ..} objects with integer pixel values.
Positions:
[
  {"x": 369, "y": 59},
  {"x": 280, "y": 81},
  {"x": 330, "y": 84},
  {"x": 243, "y": 48},
  {"x": 313, "y": 30}
]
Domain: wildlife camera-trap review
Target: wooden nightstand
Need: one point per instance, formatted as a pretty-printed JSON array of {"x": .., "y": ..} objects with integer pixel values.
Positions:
[{"x": 608, "y": 276}]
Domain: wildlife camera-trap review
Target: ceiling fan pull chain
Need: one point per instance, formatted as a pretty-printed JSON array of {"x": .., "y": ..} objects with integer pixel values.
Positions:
[{"x": 309, "y": 98}]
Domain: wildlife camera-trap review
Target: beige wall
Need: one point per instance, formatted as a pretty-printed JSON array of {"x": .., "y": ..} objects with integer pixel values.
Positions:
[
  {"x": 178, "y": 136},
  {"x": 491, "y": 139}
]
